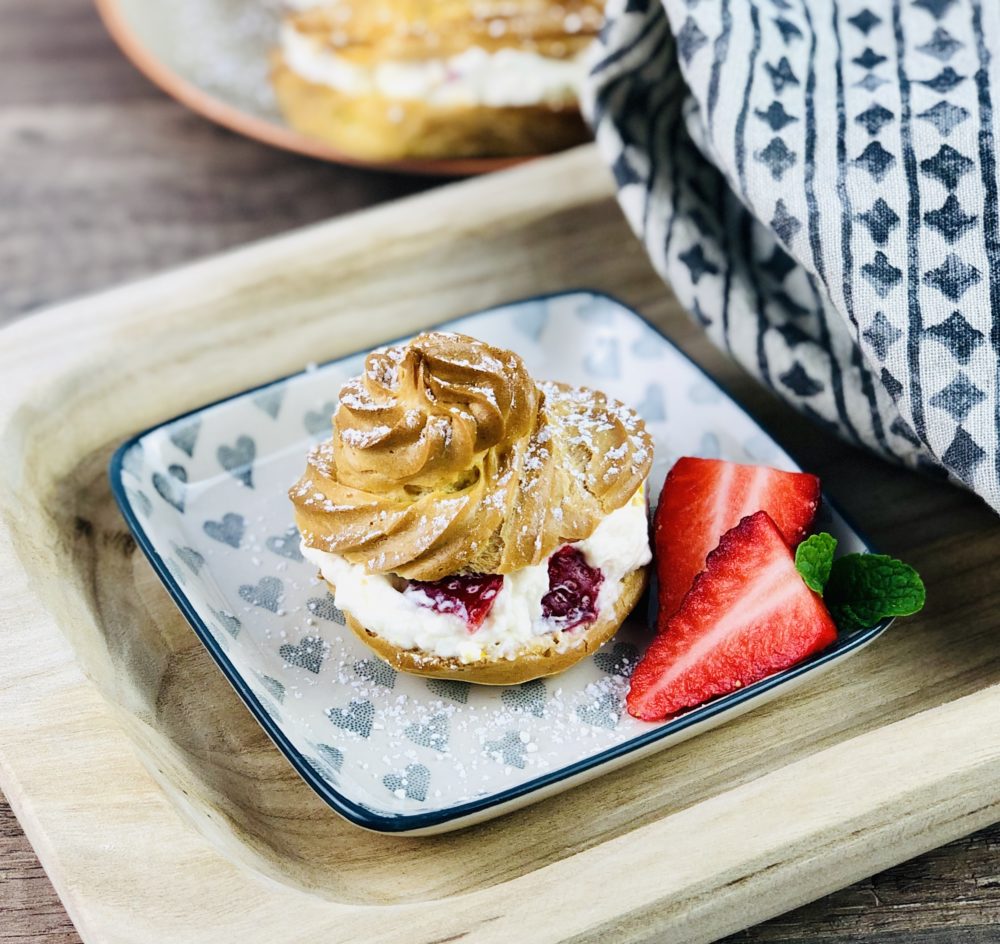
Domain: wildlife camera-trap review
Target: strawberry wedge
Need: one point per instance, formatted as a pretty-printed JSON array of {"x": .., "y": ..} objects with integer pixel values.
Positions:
[
  {"x": 748, "y": 615},
  {"x": 703, "y": 498}
]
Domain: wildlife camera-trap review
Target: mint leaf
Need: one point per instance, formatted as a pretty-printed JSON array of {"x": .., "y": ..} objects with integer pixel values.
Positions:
[
  {"x": 866, "y": 588},
  {"x": 814, "y": 558}
]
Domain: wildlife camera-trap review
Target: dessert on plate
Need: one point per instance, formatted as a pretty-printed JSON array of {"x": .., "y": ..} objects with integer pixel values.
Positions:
[
  {"x": 392, "y": 79},
  {"x": 471, "y": 522}
]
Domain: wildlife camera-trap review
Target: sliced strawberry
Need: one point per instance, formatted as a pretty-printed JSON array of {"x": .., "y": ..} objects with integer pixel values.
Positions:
[
  {"x": 469, "y": 596},
  {"x": 703, "y": 498},
  {"x": 573, "y": 589},
  {"x": 749, "y": 614}
]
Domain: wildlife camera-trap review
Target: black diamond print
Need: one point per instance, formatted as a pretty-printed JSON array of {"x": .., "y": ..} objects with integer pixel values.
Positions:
[
  {"x": 799, "y": 382},
  {"x": 944, "y": 81},
  {"x": 789, "y": 30},
  {"x": 777, "y": 157},
  {"x": 775, "y": 116},
  {"x": 950, "y": 220},
  {"x": 781, "y": 75},
  {"x": 963, "y": 455},
  {"x": 871, "y": 82},
  {"x": 956, "y": 334},
  {"x": 882, "y": 274},
  {"x": 936, "y": 8},
  {"x": 942, "y": 45},
  {"x": 698, "y": 265},
  {"x": 891, "y": 384},
  {"x": 703, "y": 319},
  {"x": 790, "y": 307},
  {"x": 881, "y": 334},
  {"x": 875, "y": 159},
  {"x": 778, "y": 265},
  {"x": 881, "y": 220},
  {"x": 624, "y": 172},
  {"x": 865, "y": 21},
  {"x": 948, "y": 166},
  {"x": 945, "y": 117},
  {"x": 874, "y": 119},
  {"x": 793, "y": 334},
  {"x": 960, "y": 396},
  {"x": 690, "y": 39},
  {"x": 902, "y": 429},
  {"x": 784, "y": 224},
  {"x": 869, "y": 59},
  {"x": 953, "y": 278}
]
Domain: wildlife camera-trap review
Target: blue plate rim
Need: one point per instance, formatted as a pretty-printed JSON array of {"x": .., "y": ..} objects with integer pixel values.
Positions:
[{"x": 358, "y": 813}]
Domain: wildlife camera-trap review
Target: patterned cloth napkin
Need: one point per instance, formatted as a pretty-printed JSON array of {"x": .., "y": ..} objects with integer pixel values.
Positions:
[{"x": 817, "y": 179}]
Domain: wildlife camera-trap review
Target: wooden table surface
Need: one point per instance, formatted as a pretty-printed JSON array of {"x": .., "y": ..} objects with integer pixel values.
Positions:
[{"x": 104, "y": 180}]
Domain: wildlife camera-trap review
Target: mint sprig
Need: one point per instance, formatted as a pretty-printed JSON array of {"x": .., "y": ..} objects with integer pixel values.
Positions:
[
  {"x": 860, "y": 590},
  {"x": 814, "y": 558},
  {"x": 866, "y": 588}
]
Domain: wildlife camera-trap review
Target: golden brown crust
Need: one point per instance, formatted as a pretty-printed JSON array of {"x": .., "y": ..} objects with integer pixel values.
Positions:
[
  {"x": 448, "y": 458},
  {"x": 531, "y": 665},
  {"x": 369, "y": 31},
  {"x": 375, "y": 128}
]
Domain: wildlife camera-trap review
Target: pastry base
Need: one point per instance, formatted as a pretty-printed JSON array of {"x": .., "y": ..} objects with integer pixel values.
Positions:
[
  {"x": 376, "y": 128},
  {"x": 537, "y": 664}
]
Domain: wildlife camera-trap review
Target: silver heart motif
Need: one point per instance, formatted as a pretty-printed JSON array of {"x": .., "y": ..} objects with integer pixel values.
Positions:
[
  {"x": 530, "y": 697},
  {"x": 621, "y": 659},
  {"x": 229, "y": 622},
  {"x": 273, "y": 687},
  {"x": 325, "y": 608},
  {"x": 184, "y": 435},
  {"x": 357, "y": 717},
  {"x": 173, "y": 486},
  {"x": 509, "y": 750},
  {"x": 238, "y": 459},
  {"x": 266, "y": 593},
  {"x": 287, "y": 544},
  {"x": 191, "y": 557},
  {"x": 270, "y": 400},
  {"x": 227, "y": 531},
  {"x": 411, "y": 784},
  {"x": 308, "y": 654},
  {"x": 450, "y": 688},
  {"x": 318, "y": 421},
  {"x": 432, "y": 733},
  {"x": 377, "y": 671},
  {"x": 603, "y": 712}
]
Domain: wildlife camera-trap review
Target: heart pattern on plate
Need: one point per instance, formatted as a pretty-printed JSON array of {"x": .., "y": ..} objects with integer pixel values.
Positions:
[
  {"x": 451, "y": 689},
  {"x": 237, "y": 459},
  {"x": 377, "y": 671},
  {"x": 270, "y": 400},
  {"x": 184, "y": 435},
  {"x": 510, "y": 750},
  {"x": 286, "y": 545},
  {"x": 432, "y": 733},
  {"x": 172, "y": 487},
  {"x": 357, "y": 717},
  {"x": 411, "y": 784},
  {"x": 309, "y": 653},
  {"x": 603, "y": 712},
  {"x": 318, "y": 422},
  {"x": 266, "y": 593},
  {"x": 227, "y": 531},
  {"x": 617, "y": 659},
  {"x": 191, "y": 557},
  {"x": 529, "y": 697},
  {"x": 325, "y": 608},
  {"x": 228, "y": 622}
]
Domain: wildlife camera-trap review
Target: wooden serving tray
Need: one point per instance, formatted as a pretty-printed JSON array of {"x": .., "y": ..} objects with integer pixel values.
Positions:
[{"x": 162, "y": 812}]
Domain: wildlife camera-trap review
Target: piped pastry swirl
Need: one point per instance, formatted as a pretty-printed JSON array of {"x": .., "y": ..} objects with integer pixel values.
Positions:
[{"x": 448, "y": 458}]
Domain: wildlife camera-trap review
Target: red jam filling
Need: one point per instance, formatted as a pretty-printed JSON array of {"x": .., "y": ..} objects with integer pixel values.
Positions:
[
  {"x": 469, "y": 596},
  {"x": 573, "y": 589},
  {"x": 570, "y": 601}
]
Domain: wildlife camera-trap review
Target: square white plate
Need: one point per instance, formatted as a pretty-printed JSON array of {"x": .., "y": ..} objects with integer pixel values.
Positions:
[{"x": 205, "y": 496}]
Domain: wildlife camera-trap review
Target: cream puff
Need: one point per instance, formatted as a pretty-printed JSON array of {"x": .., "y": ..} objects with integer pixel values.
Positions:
[
  {"x": 391, "y": 79},
  {"x": 473, "y": 523}
]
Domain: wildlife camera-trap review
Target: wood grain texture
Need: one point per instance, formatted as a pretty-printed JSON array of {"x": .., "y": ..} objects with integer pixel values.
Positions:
[{"x": 151, "y": 186}]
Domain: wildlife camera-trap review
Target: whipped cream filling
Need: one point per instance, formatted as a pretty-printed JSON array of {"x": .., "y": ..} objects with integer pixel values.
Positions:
[
  {"x": 619, "y": 545},
  {"x": 507, "y": 77}
]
